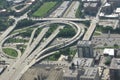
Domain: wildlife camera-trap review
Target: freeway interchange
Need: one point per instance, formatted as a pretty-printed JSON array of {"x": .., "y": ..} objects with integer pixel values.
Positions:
[
  {"x": 28, "y": 58},
  {"x": 34, "y": 53}
]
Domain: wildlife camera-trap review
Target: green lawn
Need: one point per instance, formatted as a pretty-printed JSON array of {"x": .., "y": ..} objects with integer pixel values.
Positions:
[
  {"x": 10, "y": 52},
  {"x": 44, "y": 9}
]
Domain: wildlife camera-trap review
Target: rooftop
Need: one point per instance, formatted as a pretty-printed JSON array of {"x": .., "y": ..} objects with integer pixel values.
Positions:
[
  {"x": 115, "y": 63},
  {"x": 70, "y": 73},
  {"x": 84, "y": 43},
  {"x": 117, "y": 10},
  {"x": 52, "y": 64},
  {"x": 83, "y": 62},
  {"x": 90, "y": 73},
  {"x": 109, "y": 51},
  {"x": 113, "y": 0},
  {"x": 107, "y": 4},
  {"x": 90, "y": 0},
  {"x": 90, "y": 4}
]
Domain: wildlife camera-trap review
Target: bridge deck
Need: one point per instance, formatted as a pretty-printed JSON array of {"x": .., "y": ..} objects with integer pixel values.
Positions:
[{"x": 90, "y": 31}]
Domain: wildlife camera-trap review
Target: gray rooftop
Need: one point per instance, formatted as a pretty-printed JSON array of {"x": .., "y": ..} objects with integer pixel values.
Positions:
[
  {"x": 83, "y": 62},
  {"x": 70, "y": 73},
  {"x": 90, "y": 4},
  {"x": 52, "y": 64},
  {"x": 90, "y": 0},
  {"x": 90, "y": 73},
  {"x": 115, "y": 63},
  {"x": 84, "y": 43}
]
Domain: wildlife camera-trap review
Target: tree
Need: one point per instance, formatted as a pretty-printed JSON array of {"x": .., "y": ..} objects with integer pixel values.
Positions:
[
  {"x": 107, "y": 60},
  {"x": 69, "y": 58},
  {"x": 24, "y": 23},
  {"x": 105, "y": 44},
  {"x": 116, "y": 46}
]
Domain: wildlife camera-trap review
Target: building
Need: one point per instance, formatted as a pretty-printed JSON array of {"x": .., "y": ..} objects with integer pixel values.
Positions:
[
  {"x": 92, "y": 1},
  {"x": 46, "y": 73},
  {"x": 91, "y": 8},
  {"x": 114, "y": 3},
  {"x": 113, "y": 0},
  {"x": 115, "y": 69},
  {"x": 83, "y": 62},
  {"x": 107, "y": 8},
  {"x": 109, "y": 52},
  {"x": 90, "y": 74},
  {"x": 85, "y": 49},
  {"x": 70, "y": 74}
]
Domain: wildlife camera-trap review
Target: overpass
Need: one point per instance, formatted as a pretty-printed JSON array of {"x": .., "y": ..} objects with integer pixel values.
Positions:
[
  {"x": 90, "y": 31},
  {"x": 58, "y": 19},
  {"x": 93, "y": 25}
]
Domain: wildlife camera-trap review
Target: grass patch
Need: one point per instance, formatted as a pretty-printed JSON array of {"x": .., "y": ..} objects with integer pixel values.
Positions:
[
  {"x": 44, "y": 9},
  {"x": 10, "y": 52},
  {"x": 96, "y": 34},
  {"x": 13, "y": 40}
]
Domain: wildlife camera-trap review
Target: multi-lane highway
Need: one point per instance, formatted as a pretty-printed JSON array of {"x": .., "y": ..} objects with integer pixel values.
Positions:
[
  {"x": 71, "y": 11},
  {"x": 60, "y": 10}
]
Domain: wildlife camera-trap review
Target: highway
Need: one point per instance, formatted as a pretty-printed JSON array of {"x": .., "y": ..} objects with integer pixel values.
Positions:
[
  {"x": 71, "y": 11},
  {"x": 60, "y": 10}
]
